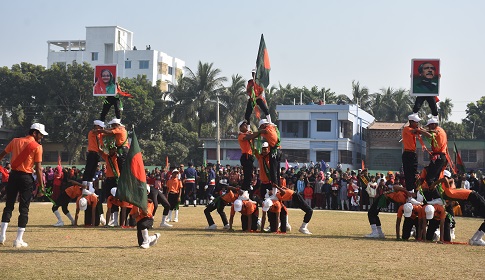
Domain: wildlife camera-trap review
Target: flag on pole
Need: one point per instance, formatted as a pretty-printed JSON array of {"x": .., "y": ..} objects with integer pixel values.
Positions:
[
  {"x": 132, "y": 184},
  {"x": 262, "y": 65},
  {"x": 459, "y": 167}
]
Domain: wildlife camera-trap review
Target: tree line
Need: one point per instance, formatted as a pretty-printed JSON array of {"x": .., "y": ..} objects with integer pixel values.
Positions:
[{"x": 171, "y": 123}]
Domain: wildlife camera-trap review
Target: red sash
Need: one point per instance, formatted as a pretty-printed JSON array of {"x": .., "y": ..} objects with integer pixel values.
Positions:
[{"x": 22, "y": 156}]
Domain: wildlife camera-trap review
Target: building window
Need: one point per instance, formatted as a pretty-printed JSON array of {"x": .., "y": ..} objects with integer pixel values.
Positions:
[
  {"x": 323, "y": 155},
  {"x": 211, "y": 154},
  {"x": 94, "y": 56},
  {"x": 170, "y": 70},
  {"x": 346, "y": 129},
  {"x": 233, "y": 154},
  {"x": 143, "y": 64},
  {"x": 345, "y": 157},
  {"x": 324, "y": 125},
  {"x": 295, "y": 155},
  {"x": 128, "y": 64},
  {"x": 469, "y": 155},
  {"x": 294, "y": 129}
]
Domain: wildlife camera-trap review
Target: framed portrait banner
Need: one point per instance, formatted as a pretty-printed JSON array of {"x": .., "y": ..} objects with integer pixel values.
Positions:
[
  {"x": 105, "y": 80},
  {"x": 425, "y": 77}
]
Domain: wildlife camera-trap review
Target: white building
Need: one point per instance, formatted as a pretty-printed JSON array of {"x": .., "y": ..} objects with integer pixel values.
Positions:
[{"x": 114, "y": 45}]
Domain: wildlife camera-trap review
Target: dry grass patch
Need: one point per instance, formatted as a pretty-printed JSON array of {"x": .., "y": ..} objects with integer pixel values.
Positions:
[{"x": 336, "y": 249}]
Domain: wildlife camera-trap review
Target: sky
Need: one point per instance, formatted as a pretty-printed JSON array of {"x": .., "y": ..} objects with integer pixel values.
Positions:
[{"x": 310, "y": 43}]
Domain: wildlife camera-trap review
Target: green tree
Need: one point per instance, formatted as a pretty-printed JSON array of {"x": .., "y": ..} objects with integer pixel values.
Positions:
[{"x": 445, "y": 109}]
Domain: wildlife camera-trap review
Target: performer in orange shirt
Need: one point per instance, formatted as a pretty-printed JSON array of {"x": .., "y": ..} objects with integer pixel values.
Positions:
[
  {"x": 436, "y": 215},
  {"x": 174, "y": 189},
  {"x": 249, "y": 214},
  {"x": 121, "y": 139},
  {"x": 70, "y": 193},
  {"x": 247, "y": 157},
  {"x": 451, "y": 192},
  {"x": 297, "y": 200},
  {"x": 92, "y": 158},
  {"x": 82, "y": 204},
  {"x": 273, "y": 208},
  {"x": 257, "y": 98},
  {"x": 230, "y": 194},
  {"x": 26, "y": 153},
  {"x": 439, "y": 150},
  {"x": 412, "y": 215},
  {"x": 409, "y": 156},
  {"x": 144, "y": 221}
]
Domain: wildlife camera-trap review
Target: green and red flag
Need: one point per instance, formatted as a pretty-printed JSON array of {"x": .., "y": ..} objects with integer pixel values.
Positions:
[
  {"x": 132, "y": 184},
  {"x": 460, "y": 166},
  {"x": 262, "y": 65}
]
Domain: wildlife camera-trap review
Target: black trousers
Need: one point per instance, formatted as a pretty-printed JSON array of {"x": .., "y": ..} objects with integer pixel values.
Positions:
[
  {"x": 190, "y": 191},
  {"x": 410, "y": 167},
  {"x": 283, "y": 219},
  {"x": 88, "y": 214},
  {"x": 249, "y": 108},
  {"x": 158, "y": 197},
  {"x": 145, "y": 223},
  {"x": 274, "y": 165},
  {"x": 218, "y": 204},
  {"x": 247, "y": 165},
  {"x": 109, "y": 183},
  {"x": 431, "y": 102},
  {"x": 434, "y": 169},
  {"x": 433, "y": 225},
  {"x": 373, "y": 213},
  {"x": 408, "y": 226},
  {"x": 254, "y": 221},
  {"x": 173, "y": 199},
  {"x": 273, "y": 221},
  {"x": 62, "y": 201},
  {"x": 122, "y": 153},
  {"x": 92, "y": 161},
  {"x": 21, "y": 184},
  {"x": 108, "y": 102},
  {"x": 299, "y": 202}
]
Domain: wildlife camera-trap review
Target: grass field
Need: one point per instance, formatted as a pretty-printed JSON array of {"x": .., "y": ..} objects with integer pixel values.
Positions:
[{"x": 336, "y": 250}]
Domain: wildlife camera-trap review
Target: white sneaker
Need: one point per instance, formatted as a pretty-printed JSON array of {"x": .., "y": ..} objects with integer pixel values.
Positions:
[
  {"x": 288, "y": 227},
  {"x": 373, "y": 235},
  {"x": 19, "y": 244},
  {"x": 155, "y": 240},
  {"x": 2, "y": 239},
  {"x": 145, "y": 245},
  {"x": 478, "y": 242},
  {"x": 175, "y": 220},
  {"x": 226, "y": 226},
  {"x": 381, "y": 235},
  {"x": 59, "y": 224},
  {"x": 102, "y": 221},
  {"x": 304, "y": 230},
  {"x": 212, "y": 227},
  {"x": 165, "y": 225}
]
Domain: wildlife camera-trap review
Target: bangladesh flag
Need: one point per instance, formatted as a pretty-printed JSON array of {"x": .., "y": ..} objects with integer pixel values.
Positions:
[
  {"x": 460, "y": 167},
  {"x": 132, "y": 184},
  {"x": 262, "y": 65}
]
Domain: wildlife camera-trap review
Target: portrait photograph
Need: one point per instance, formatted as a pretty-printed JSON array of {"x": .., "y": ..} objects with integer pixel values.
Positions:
[
  {"x": 425, "y": 77},
  {"x": 105, "y": 80}
]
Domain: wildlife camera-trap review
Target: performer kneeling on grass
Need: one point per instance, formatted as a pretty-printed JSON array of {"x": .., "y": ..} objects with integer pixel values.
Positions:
[
  {"x": 82, "y": 204},
  {"x": 399, "y": 195},
  {"x": 72, "y": 192},
  {"x": 478, "y": 202},
  {"x": 219, "y": 203},
  {"x": 144, "y": 221},
  {"x": 412, "y": 215},
  {"x": 273, "y": 208},
  {"x": 249, "y": 214}
]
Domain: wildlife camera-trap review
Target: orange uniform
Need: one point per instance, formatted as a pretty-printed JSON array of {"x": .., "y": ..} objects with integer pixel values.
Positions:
[
  {"x": 229, "y": 197},
  {"x": 73, "y": 191},
  {"x": 141, "y": 215},
  {"x": 271, "y": 136},
  {"x": 174, "y": 185},
  {"x": 257, "y": 89},
  {"x": 120, "y": 136},
  {"x": 439, "y": 212},
  {"x": 244, "y": 144},
  {"x": 92, "y": 200},
  {"x": 93, "y": 142},
  {"x": 399, "y": 197},
  {"x": 282, "y": 182},
  {"x": 109, "y": 169},
  {"x": 441, "y": 143},
  {"x": 115, "y": 201},
  {"x": 416, "y": 213},
  {"x": 263, "y": 166},
  {"x": 248, "y": 208},
  {"x": 16, "y": 146},
  {"x": 276, "y": 207},
  {"x": 453, "y": 193},
  {"x": 287, "y": 196},
  {"x": 409, "y": 139}
]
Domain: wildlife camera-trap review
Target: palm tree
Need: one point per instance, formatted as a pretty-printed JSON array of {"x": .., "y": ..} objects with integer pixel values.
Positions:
[
  {"x": 445, "y": 109},
  {"x": 201, "y": 90},
  {"x": 233, "y": 100},
  {"x": 360, "y": 96}
]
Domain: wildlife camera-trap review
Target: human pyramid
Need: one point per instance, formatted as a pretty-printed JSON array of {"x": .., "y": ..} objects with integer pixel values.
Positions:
[{"x": 426, "y": 198}]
